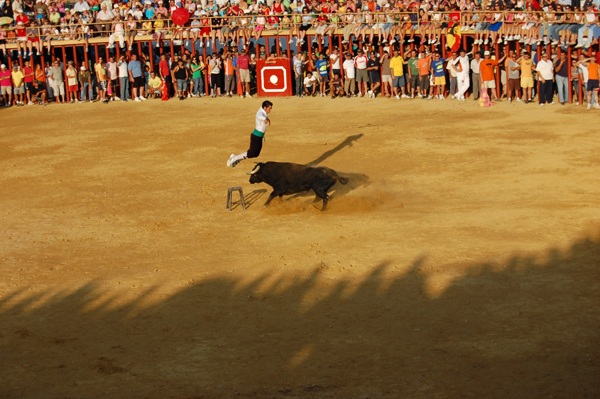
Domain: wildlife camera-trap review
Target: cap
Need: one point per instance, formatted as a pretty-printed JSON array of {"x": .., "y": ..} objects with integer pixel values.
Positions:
[
  {"x": 20, "y": 23},
  {"x": 83, "y": 68},
  {"x": 360, "y": 50},
  {"x": 486, "y": 53},
  {"x": 16, "y": 66},
  {"x": 2, "y": 66}
]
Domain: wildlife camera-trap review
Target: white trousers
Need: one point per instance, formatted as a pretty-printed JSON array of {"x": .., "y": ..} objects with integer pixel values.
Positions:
[
  {"x": 119, "y": 34},
  {"x": 463, "y": 84}
]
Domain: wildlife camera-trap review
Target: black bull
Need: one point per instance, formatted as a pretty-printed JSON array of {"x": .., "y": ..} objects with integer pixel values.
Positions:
[{"x": 291, "y": 178}]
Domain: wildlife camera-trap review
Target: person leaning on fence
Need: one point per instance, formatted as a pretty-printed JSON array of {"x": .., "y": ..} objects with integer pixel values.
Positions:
[
  {"x": 424, "y": 65},
  {"x": 101, "y": 80},
  {"x": 476, "y": 79},
  {"x": 18, "y": 84},
  {"x": 561, "y": 70},
  {"x": 181, "y": 75},
  {"x": 136, "y": 77},
  {"x": 72, "y": 85},
  {"x": 362, "y": 75},
  {"x": 592, "y": 86},
  {"x": 526, "y": 68},
  {"x": 513, "y": 78},
  {"x": 28, "y": 79},
  {"x": 123, "y": 74},
  {"x": 488, "y": 76}
]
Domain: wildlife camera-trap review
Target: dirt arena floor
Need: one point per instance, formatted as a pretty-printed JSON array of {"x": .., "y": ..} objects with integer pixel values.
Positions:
[{"x": 462, "y": 259}]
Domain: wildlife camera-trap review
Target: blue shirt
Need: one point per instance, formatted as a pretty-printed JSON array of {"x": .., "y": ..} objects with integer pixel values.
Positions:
[
  {"x": 438, "y": 67},
  {"x": 322, "y": 67},
  {"x": 136, "y": 68}
]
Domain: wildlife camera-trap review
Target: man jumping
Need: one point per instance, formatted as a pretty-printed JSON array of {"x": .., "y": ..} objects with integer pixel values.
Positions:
[{"x": 256, "y": 138}]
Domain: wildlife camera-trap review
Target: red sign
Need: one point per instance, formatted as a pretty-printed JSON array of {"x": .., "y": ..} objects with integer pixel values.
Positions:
[{"x": 274, "y": 78}]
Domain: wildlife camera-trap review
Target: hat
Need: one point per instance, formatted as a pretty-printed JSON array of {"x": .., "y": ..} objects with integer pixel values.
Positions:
[
  {"x": 20, "y": 23},
  {"x": 83, "y": 68},
  {"x": 387, "y": 5},
  {"x": 2, "y": 66},
  {"x": 486, "y": 53},
  {"x": 16, "y": 66},
  {"x": 70, "y": 62},
  {"x": 116, "y": 6},
  {"x": 360, "y": 50}
]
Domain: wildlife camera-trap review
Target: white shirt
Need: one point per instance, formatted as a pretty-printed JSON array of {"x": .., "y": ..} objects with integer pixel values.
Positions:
[
  {"x": 453, "y": 72},
  {"x": 104, "y": 16},
  {"x": 122, "y": 66},
  {"x": 475, "y": 65},
  {"x": 546, "y": 69},
  {"x": 584, "y": 72},
  {"x": 261, "y": 117},
  {"x": 464, "y": 63},
  {"x": 361, "y": 62},
  {"x": 79, "y": 7},
  {"x": 308, "y": 82},
  {"x": 349, "y": 69},
  {"x": 336, "y": 64}
]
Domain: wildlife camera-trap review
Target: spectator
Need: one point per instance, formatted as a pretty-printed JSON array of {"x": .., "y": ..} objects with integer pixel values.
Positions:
[
  {"x": 323, "y": 71},
  {"x": 561, "y": 69},
  {"x": 413, "y": 73},
  {"x": 72, "y": 81},
  {"x": 28, "y": 79},
  {"x": 38, "y": 92},
  {"x": 5, "y": 85},
  {"x": 104, "y": 17},
  {"x": 475, "y": 63},
  {"x": 397, "y": 69},
  {"x": 336, "y": 86},
  {"x": 592, "y": 85},
  {"x": 513, "y": 78},
  {"x": 298, "y": 74},
  {"x": 362, "y": 76},
  {"x": 80, "y": 6},
  {"x": 154, "y": 86},
  {"x": 181, "y": 75},
  {"x": 85, "y": 80},
  {"x": 349, "y": 75},
  {"x": 488, "y": 75},
  {"x": 136, "y": 78},
  {"x": 439, "y": 75},
  {"x": 545, "y": 70},
  {"x": 386, "y": 76},
  {"x": 526, "y": 68},
  {"x": 334, "y": 62},
  {"x": 123, "y": 73},
  {"x": 424, "y": 65},
  {"x": 113, "y": 78},
  {"x": 198, "y": 67},
  {"x": 229, "y": 74},
  {"x": 57, "y": 82},
  {"x": 18, "y": 84},
  {"x": 243, "y": 66},
  {"x": 462, "y": 67},
  {"x": 453, "y": 73},
  {"x": 310, "y": 84},
  {"x": 215, "y": 65},
  {"x": 163, "y": 70},
  {"x": 102, "y": 79}
]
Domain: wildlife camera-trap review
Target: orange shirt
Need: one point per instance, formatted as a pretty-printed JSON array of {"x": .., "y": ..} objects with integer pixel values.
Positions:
[
  {"x": 593, "y": 71},
  {"x": 486, "y": 68},
  {"x": 424, "y": 65},
  {"x": 229, "y": 67}
]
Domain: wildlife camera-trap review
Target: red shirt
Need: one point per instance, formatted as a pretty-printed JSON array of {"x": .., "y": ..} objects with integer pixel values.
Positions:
[
  {"x": 243, "y": 62},
  {"x": 28, "y": 71},
  {"x": 163, "y": 66}
]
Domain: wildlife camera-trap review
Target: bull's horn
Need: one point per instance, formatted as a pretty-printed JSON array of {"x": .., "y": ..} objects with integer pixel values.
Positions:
[{"x": 254, "y": 170}]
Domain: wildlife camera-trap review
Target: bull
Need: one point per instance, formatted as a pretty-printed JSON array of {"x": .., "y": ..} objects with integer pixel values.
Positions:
[{"x": 290, "y": 178}]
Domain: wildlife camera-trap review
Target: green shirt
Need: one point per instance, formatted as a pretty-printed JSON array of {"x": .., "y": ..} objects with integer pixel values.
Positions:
[
  {"x": 197, "y": 73},
  {"x": 412, "y": 64}
]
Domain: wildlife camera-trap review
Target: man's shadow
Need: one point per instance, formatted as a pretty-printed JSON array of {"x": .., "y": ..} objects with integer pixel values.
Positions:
[{"x": 339, "y": 147}]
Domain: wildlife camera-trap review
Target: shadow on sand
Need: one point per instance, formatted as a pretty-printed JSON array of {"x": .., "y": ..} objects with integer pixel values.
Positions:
[{"x": 525, "y": 328}]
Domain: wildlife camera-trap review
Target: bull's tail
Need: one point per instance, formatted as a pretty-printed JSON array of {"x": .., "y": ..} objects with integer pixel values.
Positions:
[{"x": 342, "y": 180}]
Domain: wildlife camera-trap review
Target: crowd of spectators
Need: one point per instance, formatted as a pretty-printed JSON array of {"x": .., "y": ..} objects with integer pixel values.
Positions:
[{"x": 367, "y": 63}]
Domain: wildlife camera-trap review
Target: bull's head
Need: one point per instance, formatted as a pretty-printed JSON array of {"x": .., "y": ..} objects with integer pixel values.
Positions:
[{"x": 255, "y": 177}]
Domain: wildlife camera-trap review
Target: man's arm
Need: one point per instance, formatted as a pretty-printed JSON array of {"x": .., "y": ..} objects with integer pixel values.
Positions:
[{"x": 560, "y": 64}]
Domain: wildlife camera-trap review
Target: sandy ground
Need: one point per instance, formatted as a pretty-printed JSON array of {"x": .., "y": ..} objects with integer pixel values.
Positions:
[{"x": 460, "y": 261}]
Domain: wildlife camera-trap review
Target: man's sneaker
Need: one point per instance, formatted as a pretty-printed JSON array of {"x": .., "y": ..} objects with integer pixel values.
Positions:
[
  {"x": 137, "y": 99},
  {"x": 370, "y": 93},
  {"x": 430, "y": 98},
  {"x": 30, "y": 103},
  {"x": 411, "y": 40},
  {"x": 412, "y": 96},
  {"x": 596, "y": 106},
  {"x": 519, "y": 100},
  {"x": 451, "y": 97},
  {"x": 143, "y": 98},
  {"x": 405, "y": 96},
  {"x": 248, "y": 95},
  {"x": 397, "y": 97},
  {"x": 360, "y": 94},
  {"x": 234, "y": 163},
  {"x": 117, "y": 98},
  {"x": 230, "y": 160},
  {"x": 542, "y": 105},
  {"x": 589, "y": 106}
]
